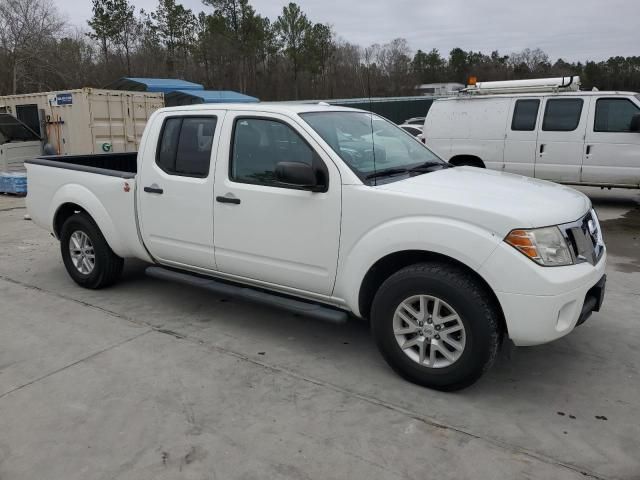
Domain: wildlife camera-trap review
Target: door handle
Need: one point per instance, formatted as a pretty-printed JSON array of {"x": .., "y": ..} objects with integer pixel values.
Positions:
[
  {"x": 155, "y": 189},
  {"x": 588, "y": 152},
  {"x": 233, "y": 200},
  {"x": 541, "y": 148}
]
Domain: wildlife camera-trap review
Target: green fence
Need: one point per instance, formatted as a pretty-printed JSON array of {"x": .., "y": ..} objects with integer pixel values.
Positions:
[{"x": 396, "y": 109}]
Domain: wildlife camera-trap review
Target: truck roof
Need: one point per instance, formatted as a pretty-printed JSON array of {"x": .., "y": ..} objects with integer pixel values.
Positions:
[
  {"x": 267, "y": 107},
  {"x": 586, "y": 93}
]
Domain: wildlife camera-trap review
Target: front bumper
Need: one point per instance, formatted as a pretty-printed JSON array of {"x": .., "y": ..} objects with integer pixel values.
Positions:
[
  {"x": 557, "y": 299},
  {"x": 593, "y": 300}
]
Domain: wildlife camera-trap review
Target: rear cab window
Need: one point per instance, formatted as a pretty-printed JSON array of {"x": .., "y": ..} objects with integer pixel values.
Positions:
[
  {"x": 184, "y": 147},
  {"x": 562, "y": 114}
]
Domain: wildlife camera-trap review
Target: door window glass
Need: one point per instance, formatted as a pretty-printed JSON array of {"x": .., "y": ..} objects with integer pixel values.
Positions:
[
  {"x": 260, "y": 144},
  {"x": 562, "y": 114},
  {"x": 614, "y": 115},
  {"x": 185, "y": 146},
  {"x": 525, "y": 115}
]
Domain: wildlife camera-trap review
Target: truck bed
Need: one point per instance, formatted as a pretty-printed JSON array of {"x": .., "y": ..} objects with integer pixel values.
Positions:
[
  {"x": 102, "y": 185},
  {"x": 123, "y": 165}
]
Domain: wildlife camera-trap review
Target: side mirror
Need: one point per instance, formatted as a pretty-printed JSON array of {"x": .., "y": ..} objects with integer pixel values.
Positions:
[
  {"x": 298, "y": 175},
  {"x": 634, "y": 126}
]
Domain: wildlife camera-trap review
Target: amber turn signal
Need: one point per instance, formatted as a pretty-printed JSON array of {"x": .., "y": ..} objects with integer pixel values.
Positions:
[{"x": 522, "y": 240}]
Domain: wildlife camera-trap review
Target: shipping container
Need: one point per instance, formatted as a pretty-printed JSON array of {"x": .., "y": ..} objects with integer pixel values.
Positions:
[{"x": 87, "y": 120}]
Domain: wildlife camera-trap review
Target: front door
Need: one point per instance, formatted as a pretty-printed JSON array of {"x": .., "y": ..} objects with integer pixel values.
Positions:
[
  {"x": 612, "y": 151},
  {"x": 263, "y": 230},
  {"x": 561, "y": 139},
  {"x": 175, "y": 189},
  {"x": 522, "y": 136}
]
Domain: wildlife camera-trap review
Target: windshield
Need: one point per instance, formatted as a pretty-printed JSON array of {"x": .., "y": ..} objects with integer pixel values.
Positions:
[
  {"x": 371, "y": 146},
  {"x": 11, "y": 130}
]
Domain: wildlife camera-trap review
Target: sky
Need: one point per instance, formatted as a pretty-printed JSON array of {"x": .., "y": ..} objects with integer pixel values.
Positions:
[{"x": 574, "y": 30}]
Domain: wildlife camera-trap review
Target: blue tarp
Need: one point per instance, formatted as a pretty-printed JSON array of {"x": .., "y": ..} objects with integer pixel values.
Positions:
[
  {"x": 164, "y": 85},
  {"x": 190, "y": 97}
]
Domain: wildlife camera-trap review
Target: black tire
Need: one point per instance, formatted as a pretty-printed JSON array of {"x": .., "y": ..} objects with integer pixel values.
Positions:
[
  {"x": 108, "y": 266},
  {"x": 468, "y": 297}
]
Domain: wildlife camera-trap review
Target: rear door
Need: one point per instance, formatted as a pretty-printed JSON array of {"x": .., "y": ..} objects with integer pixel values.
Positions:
[
  {"x": 612, "y": 151},
  {"x": 561, "y": 138},
  {"x": 521, "y": 139},
  {"x": 266, "y": 231},
  {"x": 175, "y": 188}
]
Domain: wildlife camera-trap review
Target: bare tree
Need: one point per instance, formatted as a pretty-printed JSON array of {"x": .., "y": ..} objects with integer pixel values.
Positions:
[
  {"x": 24, "y": 26},
  {"x": 534, "y": 61}
]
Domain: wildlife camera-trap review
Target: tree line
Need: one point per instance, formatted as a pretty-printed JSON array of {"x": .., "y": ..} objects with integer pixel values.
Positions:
[{"x": 230, "y": 46}]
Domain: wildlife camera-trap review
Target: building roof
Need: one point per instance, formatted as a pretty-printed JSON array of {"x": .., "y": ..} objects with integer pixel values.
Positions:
[
  {"x": 186, "y": 97},
  {"x": 163, "y": 85}
]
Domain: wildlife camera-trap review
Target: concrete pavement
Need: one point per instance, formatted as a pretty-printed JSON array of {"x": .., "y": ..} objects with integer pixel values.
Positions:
[{"x": 151, "y": 379}]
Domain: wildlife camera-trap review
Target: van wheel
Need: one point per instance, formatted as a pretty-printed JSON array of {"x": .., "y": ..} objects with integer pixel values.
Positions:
[
  {"x": 467, "y": 162},
  {"x": 436, "y": 326},
  {"x": 86, "y": 254}
]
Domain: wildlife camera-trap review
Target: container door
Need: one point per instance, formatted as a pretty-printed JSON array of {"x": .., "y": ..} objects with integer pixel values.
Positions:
[
  {"x": 107, "y": 113},
  {"x": 522, "y": 137},
  {"x": 142, "y": 106},
  {"x": 612, "y": 150},
  {"x": 561, "y": 139},
  {"x": 128, "y": 108}
]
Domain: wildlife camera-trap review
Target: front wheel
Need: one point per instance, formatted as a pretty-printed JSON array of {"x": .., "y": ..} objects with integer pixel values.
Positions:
[
  {"x": 436, "y": 325},
  {"x": 86, "y": 254}
]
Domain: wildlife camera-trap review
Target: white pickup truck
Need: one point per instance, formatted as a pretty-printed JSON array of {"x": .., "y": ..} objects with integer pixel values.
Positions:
[{"x": 331, "y": 211}]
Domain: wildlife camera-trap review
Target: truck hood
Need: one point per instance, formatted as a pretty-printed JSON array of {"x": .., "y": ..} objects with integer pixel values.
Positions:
[{"x": 496, "y": 200}]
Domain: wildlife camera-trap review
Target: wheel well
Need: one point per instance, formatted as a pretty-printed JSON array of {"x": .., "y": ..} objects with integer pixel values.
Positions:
[
  {"x": 64, "y": 212},
  {"x": 387, "y": 266},
  {"x": 471, "y": 160}
]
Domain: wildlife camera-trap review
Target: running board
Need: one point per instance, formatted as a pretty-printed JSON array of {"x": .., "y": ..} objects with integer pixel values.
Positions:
[{"x": 315, "y": 310}]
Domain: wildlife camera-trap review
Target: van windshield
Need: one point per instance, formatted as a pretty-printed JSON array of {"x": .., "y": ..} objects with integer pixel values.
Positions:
[{"x": 375, "y": 149}]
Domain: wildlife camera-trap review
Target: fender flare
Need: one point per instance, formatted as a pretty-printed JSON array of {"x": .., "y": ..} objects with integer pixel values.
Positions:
[
  {"x": 85, "y": 199},
  {"x": 439, "y": 235}
]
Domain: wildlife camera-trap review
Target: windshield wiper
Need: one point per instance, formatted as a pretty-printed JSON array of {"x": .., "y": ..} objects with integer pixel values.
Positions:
[
  {"x": 423, "y": 167},
  {"x": 386, "y": 172},
  {"x": 428, "y": 165}
]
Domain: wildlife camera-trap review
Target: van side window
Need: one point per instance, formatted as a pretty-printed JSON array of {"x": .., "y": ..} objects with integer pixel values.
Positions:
[
  {"x": 259, "y": 144},
  {"x": 185, "y": 146},
  {"x": 614, "y": 115},
  {"x": 525, "y": 114},
  {"x": 562, "y": 114}
]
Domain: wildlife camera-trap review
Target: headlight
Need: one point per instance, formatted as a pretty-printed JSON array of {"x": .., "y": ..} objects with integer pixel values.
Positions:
[{"x": 545, "y": 246}]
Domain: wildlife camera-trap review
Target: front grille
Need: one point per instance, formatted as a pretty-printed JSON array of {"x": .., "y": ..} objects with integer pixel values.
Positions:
[{"x": 585, "y": 239}]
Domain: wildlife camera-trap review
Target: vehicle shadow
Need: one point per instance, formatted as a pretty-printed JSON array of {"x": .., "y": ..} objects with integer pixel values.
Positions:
[{"x": 346, "y": 354}]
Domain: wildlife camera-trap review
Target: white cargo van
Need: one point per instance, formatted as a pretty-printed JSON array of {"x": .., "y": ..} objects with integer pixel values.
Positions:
[{"x": 544, "y": 128}]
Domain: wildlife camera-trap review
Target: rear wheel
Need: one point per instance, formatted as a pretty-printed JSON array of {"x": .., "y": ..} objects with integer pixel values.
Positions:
[
  {"x": 87, "y": 257},
  {"x": 436, "y": 325}
]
